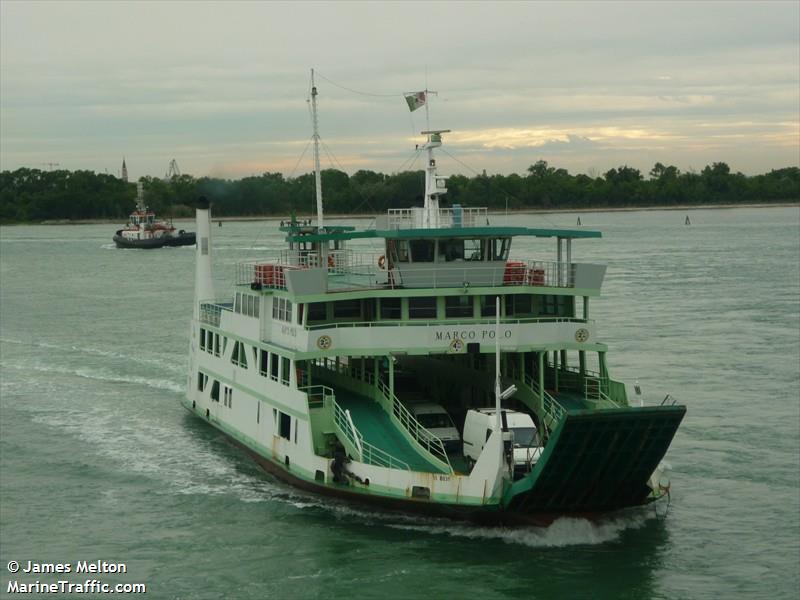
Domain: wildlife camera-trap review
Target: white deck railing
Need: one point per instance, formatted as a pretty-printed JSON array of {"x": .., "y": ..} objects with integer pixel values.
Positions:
[
  {"x": 420, "y": 218},
  {"x": 349, "y": 270},
  {"x": 211, "y": 311}
]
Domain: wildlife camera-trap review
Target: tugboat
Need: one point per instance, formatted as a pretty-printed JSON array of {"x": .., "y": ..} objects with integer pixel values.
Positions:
[
  {"x": 144, "y": 231},
  {"x": 435, "y": 375}
]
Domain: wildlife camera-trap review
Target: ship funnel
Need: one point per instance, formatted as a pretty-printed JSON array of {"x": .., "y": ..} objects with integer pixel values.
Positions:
[{"x": 203, "y": 284}]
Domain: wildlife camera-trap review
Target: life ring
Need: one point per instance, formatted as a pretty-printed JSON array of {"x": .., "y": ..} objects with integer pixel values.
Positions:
[
  {"x": 331, "y": 262},
  {"x": 381, "y": 262}
]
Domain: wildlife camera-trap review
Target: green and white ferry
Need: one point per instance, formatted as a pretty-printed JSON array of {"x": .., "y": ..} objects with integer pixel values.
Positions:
[{"x": 440, "y": 374}]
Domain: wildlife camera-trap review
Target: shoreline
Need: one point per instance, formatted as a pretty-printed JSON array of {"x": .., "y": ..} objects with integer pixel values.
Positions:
[{"x": 518, "y": 211}]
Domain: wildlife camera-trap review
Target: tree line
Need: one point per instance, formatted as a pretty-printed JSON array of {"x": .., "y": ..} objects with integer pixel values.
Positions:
[{"x": 33, "y": 195}]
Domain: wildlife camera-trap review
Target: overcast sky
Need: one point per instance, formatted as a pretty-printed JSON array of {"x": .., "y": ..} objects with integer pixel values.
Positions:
[{"x": 222, "y": 87}]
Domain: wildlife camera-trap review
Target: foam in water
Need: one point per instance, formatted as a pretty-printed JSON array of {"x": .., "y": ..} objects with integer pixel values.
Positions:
[{"x": 565, "y": 531}]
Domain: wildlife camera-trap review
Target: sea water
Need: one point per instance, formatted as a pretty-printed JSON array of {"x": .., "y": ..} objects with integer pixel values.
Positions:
[{"x": 98, "y": 461}]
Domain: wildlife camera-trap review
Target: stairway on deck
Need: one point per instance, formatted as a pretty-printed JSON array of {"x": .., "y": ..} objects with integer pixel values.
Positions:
[{"x": 377, "y": 428}]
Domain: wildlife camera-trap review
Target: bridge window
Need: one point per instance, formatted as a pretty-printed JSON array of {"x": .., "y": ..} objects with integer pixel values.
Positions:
[
  {"x": 488, "y": 306},
  {"x": 369, "y": 309},
  {"x": 403, "y": 251},
  {"x": 450, "y": 250},
  {"x": 347, "y": 309},
  {"x": 317, "y": 311},
  {"x": 500, "y": 248},
  {"x": 458, "y": 307},
  {"x": 555, "y": 305},
  {"x": 391, "y": 308},
  {"x": 473, "y": 249},
  {"x": 422, "y": 308},
  {"x": 520, "y": 305},
  {"x": 421, "y": 250}
]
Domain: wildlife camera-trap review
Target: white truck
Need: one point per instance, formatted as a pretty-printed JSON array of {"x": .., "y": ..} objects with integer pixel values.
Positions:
[
  {"x": 479, "y": 424},
  {"x": 435, "y": 419}
]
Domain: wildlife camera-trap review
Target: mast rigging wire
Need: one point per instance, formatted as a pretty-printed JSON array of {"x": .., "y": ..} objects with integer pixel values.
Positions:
[{"x": 357, "y": 91}]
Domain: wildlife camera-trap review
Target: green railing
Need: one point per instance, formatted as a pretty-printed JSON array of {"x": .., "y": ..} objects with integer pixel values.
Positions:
[
  {"x": 317, "y": 395},
  {"x": 429, "y": 442},
  {"x": 364, "y": 451},
  {"x": 392, "y": 404},
  {"x": 593, "y": 392},
  {"x": 552, "y": 409}
]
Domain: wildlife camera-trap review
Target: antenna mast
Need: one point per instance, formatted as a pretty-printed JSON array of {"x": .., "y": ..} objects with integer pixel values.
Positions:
[{"x": 317, "y": 175}]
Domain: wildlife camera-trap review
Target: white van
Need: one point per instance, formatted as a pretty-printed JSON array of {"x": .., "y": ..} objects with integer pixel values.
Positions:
[
  {"x": 479, "y": 425},
  {"x": 435, "y": 419}
]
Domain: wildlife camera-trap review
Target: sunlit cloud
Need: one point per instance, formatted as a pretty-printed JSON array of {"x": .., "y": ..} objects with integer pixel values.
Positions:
[{"x": 584, "y": 85}]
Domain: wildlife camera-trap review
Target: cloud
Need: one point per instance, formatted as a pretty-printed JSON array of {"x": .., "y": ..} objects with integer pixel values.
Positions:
[
  {"x": 573, "y": 143},
  {"x": 590, "y": 83}
]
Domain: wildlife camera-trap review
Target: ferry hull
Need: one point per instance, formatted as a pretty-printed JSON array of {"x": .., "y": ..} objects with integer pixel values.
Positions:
[{"x": 487, "y": 515}]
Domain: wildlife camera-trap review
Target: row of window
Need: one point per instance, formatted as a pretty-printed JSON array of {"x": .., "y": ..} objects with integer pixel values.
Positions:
[
  {"x": 246, "y": 304},
  {"x": 212, "y": 342},
  {"x": 457, "y": 249},
  {"x": 276, "y": 367},
  {"x": 455, "y": 307},
  {"x": 272, "y": 365}
]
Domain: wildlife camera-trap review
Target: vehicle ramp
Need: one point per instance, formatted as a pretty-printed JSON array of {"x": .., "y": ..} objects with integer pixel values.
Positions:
[
  {"x": 378, "y": 429},
  {"x": 597, "y": 460}
]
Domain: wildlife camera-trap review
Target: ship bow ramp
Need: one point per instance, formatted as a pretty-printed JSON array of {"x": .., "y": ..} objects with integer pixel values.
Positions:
[{"x": 597, "y": 461}]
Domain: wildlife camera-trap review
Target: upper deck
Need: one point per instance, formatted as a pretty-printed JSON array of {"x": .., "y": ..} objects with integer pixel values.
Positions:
[{"x": 449, "y": 248}]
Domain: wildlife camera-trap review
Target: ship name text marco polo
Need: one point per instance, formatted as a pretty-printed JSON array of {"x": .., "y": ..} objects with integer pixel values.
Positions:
[{"x": 470, "y": 334}]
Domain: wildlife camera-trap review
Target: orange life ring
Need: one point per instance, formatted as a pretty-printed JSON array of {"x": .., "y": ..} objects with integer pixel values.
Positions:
[
  {"x": 330, "y": 260},
  {"x": 381, "y": 262}
]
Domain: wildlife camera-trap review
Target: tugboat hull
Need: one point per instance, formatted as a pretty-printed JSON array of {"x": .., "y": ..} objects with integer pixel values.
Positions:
[{"x": 184, "y": 238}]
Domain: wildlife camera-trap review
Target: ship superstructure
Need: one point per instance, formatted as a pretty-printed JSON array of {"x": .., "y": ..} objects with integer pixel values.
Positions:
[
  {"x": 143, "y": 230},
  {"x": 335, "y": 368}
]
